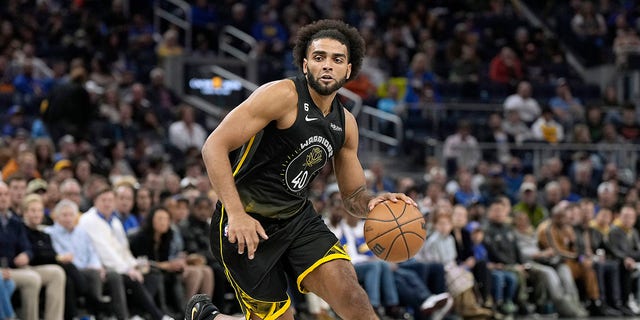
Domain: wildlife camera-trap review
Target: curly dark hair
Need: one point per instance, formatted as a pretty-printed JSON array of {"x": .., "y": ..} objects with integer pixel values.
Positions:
[{"x": 333, "y": 29}]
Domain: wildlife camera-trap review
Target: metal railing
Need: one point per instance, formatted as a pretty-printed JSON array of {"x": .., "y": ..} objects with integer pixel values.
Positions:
[
  {"x": 624, "y": 155},
  {"x": 225, "y": 46},
  {"x": 371, "y": 120},
  {"x": 171, "y": 16}
]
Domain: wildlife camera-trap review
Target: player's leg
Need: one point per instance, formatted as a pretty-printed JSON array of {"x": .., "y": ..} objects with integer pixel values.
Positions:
[{"x": 335, "y": 281}]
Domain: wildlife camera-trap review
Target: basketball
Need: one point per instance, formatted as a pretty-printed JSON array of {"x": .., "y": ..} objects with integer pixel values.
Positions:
[{"x": 395, "y": 231}]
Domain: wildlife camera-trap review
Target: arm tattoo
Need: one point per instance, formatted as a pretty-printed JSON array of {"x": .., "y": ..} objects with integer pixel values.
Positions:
[{"x": 357, "y": 202}]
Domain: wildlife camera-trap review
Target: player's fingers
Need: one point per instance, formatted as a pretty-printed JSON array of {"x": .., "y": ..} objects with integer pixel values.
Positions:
[
  {"x": 261, "y": 232},
  {"x": 252, "y": 245},
  {"x": 408, "y": 199},
  {"x": 241, "y": 243}
]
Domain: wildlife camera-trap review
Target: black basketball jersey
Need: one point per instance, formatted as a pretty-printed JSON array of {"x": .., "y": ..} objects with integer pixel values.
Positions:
[{"x": 276, "y": 167}]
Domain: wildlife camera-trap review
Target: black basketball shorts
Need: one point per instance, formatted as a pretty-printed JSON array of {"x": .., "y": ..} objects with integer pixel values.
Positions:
[{"x": 296, "y": 246}]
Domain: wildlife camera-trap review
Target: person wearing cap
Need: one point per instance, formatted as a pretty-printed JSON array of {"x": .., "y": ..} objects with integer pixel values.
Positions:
[
  {"x": 15, "y": 120},
  {"x": 63, "y": 169},
  {"x": 40, "y": 186},
  {"x": 529, "y": 203}
]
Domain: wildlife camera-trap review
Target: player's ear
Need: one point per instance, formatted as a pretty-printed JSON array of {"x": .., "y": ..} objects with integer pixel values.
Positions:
[
  {"x": 304, "y": 66},
  {"x": 348, "y": 71}
]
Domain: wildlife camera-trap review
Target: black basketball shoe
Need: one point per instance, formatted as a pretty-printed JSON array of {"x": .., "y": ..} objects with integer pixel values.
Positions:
[{"x": 200, "y": 307}]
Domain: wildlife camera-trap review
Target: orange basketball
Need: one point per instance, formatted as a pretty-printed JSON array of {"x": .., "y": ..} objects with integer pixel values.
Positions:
[{"x": 395, "y": 231}]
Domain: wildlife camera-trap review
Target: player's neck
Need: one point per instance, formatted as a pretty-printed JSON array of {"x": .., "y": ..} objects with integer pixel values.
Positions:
[{"x": 323, "y": 102}]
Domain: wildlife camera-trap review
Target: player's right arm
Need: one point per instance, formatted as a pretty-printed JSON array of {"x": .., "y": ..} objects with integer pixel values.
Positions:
[{"x": 275, "y": 101}]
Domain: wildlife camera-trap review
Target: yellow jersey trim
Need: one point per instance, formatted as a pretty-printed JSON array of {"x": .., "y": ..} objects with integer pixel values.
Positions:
[
  {"x": 244, "y": 155},
  {"x": 245, "y": 304},
  {"x": 333, "y": 256}
]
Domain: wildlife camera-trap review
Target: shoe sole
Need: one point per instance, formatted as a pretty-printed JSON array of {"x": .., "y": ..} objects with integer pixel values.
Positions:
[{"x": 439, "y": 304}]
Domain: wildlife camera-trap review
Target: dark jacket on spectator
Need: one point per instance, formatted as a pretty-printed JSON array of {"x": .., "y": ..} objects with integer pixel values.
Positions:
[
  {"x": 42, "y": 246},
  {"x": 196, "y": 237},
  {"x": 501, "y": 244},
  {"x": 13, "y": 240},
  {"x": 624, "y": 244},
  {"x": 464, "y": 247}
]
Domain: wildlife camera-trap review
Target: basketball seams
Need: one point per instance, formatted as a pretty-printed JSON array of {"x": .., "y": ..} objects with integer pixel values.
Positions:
[
  {"x": 393, "y": 229},
  {"x": 399, "y": 230}
]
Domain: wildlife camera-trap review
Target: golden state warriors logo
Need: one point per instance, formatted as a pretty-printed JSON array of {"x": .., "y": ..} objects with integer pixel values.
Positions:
[{"x": 304, "y": 166}]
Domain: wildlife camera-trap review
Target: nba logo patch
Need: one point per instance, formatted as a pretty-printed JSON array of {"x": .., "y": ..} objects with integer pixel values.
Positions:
[{"x": 226, "y": 230}]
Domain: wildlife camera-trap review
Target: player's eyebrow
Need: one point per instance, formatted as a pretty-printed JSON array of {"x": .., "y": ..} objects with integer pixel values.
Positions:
[{"x": 324, "y": 53}]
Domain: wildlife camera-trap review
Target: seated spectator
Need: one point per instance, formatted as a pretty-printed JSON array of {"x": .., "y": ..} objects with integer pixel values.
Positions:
[
  {"x": 465, "y": 195},
  {"x": 124, "y": 207},
  {"x": 74, "y": 243},
  {"x": 625, "y": 44},
  {"x": 17, "y": 191},
  {"x": 466, "y": 71},
  {"x": 629, "y": 129},
  {"x": 25, "y": 165},
  {"x": 154, "y": 240},
  {"x": 624, "y": 242},
  {"x": 595, "y": 122},
  {"x": 559, "y": 235},
  {"x": 169, "y": 46},
  {"x": 529, "y": 204},
  {"x": 186, "y": 132},
  {"x": 547, "y": 129},
  {"x": 109, "y": 239},
  {"x": 195, "y": 232},
  {"x": 567, "y": 108},
  {"x": 523, "y": 102},
  {"x": 592, "y": 244},
  {"x": 549, "y": 274},
  {"x": 461, "y": 149},
  {"x": 418, "y": 76},
  {"x": 552, "y": 194},
  {"x": 17, "y": 250},
  {"x": 44, "y": 255},
  {"x": 515, "y": 128},
  {"x": 590, "y": 28},
  {"x": 465, "y": 254},
  {"x": 505, "y": 68},
  {"x": 505, "y": 262},
  {"x": 440, "y": 247},
  {"x": 15, "y": 120}
]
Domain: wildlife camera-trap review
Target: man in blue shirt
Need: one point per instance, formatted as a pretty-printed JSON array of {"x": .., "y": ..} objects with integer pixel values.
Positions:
[{"x": 71, "y": 241}]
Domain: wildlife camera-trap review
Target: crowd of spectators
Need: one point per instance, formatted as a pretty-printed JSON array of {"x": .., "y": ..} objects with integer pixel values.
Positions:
[
  {"x": 599, "y": 32},
  {"x": 97, "y": 148}
]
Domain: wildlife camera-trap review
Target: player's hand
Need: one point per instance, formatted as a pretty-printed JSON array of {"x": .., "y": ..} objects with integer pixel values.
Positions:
[
  {"x": 393, "y": 197},
  {"x": 246, "y": 231}
]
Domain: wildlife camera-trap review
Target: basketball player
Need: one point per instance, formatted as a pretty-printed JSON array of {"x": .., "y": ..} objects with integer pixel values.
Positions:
[{"x": 264, "y": 228}]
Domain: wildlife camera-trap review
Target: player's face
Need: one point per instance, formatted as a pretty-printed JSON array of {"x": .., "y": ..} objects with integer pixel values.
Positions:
[{"x": 327, "y": 65}]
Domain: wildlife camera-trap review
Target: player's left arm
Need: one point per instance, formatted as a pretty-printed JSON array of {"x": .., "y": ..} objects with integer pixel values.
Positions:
[{"x": 357, "y": 199}]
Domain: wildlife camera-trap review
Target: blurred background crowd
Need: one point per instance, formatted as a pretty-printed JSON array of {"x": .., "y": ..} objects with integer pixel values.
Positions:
[{"x": 103, "y": 182}]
